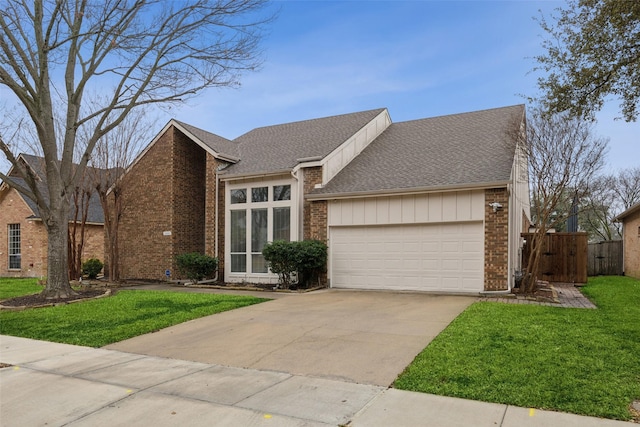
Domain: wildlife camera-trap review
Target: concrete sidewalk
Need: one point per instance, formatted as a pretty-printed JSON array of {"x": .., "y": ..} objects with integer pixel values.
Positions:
[{"x": 58, "y": 384}]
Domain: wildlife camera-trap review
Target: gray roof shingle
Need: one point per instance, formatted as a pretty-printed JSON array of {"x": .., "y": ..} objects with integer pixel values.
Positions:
[
  {"x": 455, "y": 150},
  {"x": 217, "y": 143},
  {"x": 278, "y": 148},
  {"x": 95, "y": 214}
]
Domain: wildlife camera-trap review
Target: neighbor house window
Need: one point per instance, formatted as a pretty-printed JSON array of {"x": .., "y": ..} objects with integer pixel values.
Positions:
[
  {"x": 264, "y": 216},
  {"x": 15, "y": 255}
]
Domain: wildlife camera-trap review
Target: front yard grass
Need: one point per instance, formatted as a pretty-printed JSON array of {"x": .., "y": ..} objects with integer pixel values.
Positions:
[
  {"x": 11, "y": 288},
  {"x": 572, "y": 360},
  {"x": 125, "y": 315}
]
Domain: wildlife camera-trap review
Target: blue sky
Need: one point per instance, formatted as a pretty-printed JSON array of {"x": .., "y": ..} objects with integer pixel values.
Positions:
[{"x": 417, "y": 58}]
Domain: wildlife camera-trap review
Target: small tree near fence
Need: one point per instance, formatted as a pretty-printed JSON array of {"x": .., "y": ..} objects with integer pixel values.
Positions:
[{"x": 562, "y": 155}]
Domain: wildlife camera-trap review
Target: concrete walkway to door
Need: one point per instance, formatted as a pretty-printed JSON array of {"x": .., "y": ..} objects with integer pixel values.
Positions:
[{"x": 355, "y": 336}]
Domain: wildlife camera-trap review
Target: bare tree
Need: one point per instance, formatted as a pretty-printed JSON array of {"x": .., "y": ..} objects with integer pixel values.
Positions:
[
  {"x": 562, "y": 154},
  {"x": 627, "y": 187},
  {"x": 598, "y": 208},
  {"x": 112, "y": 155},
  {"x": 609, "y": 196},
  {"x": 134, "y": 53}
]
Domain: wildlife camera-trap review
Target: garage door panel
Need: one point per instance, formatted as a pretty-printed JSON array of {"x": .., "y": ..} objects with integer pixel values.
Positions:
[{"x": 430, "y": 257}]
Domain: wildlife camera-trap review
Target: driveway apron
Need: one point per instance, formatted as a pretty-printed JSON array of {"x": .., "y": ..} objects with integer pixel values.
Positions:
[{"x": 356, "y": 336}]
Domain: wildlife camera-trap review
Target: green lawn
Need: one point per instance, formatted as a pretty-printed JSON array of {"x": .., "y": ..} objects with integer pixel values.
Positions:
[
  {"x": 11, "y": 288},
  {"x": 127, "y": 314},
  {"x": 573, "y": 360}
]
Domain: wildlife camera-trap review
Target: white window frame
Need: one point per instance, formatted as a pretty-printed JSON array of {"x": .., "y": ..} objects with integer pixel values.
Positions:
[
  {"x": 292, "y": 204},
  {"x": 11, "y": 235}
]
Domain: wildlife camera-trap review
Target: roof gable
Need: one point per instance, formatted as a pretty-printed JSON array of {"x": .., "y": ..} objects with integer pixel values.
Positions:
[
  {"x": 95, "y": 213},
  {"x": 467, "y": 149},
  {"x": 223, "y": 147},
  {"x": 280, "y": 148}
]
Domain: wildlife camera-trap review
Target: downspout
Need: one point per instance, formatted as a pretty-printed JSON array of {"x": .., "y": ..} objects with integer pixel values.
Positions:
[
  {"x": 215, "y": 226},
  {"x": 300, "y": 202}
]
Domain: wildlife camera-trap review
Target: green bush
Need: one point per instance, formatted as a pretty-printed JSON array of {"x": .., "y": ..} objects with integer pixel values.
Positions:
[
  {"x": 311, "y": 260},
  {"x": 92, "y": 267},
  {"x": 281, "y": 258},
  {"x": 307, "y": 258},
  {"x": 196, "y": 266}
]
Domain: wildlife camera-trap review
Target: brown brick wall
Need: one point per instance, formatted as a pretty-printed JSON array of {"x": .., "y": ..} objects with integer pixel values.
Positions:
[
  {"x": 496, "y": 240},
  {"x": 315, "y": 212},
  {"x": 211, "y": 216},
  {"x": 166, "y": 191},
  {"x": 314, "y": 216},
  {"x": 221, "y": 221},
  {"x": 189, "y": 195},
  {"x": 146, "y": 196},
  {"x": 33, "y": 236}
]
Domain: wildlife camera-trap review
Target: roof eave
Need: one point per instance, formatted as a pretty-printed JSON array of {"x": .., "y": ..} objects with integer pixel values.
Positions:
[
  {"x": 225, "y": 177},
  {"x": 407, "y": 191},
  {"x": 633, "y": 209}
]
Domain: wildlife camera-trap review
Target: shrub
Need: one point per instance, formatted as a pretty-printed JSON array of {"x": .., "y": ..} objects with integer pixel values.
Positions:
[
  {"x": 308, "y": 258},
  {"x": 280, "y": 257},
  {"x": 92, "y": 267},
  {"x": 311, "y": 260},
  {"x": 196, "y": 266}
]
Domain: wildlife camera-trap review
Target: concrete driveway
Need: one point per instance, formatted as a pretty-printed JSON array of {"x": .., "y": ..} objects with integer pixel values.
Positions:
[{"x": 356, "y": 336}]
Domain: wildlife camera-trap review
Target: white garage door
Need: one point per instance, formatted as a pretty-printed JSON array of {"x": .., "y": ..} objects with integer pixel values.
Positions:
[{"x": 424, "y": 257}]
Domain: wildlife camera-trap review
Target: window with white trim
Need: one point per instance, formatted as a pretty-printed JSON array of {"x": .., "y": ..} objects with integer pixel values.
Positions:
[
  {"x": 259, "y": 214},
  {"x": 15, "y": 255}
]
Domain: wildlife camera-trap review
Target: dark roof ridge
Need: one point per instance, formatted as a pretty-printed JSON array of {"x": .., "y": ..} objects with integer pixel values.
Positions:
[
  {"x": 333, "y": 116},
  {"x": 463, "y": 113}
]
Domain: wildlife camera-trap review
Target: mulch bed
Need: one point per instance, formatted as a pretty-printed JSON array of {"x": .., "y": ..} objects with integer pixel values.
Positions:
[{"x": 37, "y": 300}]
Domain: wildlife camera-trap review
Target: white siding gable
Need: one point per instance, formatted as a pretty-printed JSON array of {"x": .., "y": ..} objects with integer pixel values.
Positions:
[{"x": 348, "y": 150}]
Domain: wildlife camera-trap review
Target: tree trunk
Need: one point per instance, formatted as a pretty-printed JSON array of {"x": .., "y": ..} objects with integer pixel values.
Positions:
[{"x": 58, "y": 262}]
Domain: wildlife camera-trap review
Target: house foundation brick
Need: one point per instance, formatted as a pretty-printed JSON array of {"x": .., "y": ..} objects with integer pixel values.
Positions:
[{"x": 496, "y": 240}]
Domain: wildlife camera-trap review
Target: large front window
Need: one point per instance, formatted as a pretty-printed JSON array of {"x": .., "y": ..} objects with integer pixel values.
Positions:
[
  {"x": 15, "y": 255},
  {"x": 259, "y": 214}
]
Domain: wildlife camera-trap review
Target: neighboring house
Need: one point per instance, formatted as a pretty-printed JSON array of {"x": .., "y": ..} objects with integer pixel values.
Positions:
[
  {"x": 436, "y": 204},
  {"x": 630, "y": 220},
  {"x": 23, "y": 237}
]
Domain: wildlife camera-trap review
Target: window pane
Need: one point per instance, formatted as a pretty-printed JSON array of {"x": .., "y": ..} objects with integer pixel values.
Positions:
[
  {"x": 239, "y": 196},
  {"x": 281, "y": 224},
  {"x": 281, "y": 192},
  {"x": 238, "y": 263},
  {"x": 14, "y": 246},
  {"x": 258, "y": 229},
  {"x": 239, "y": 231},
  {"x": 258, "y": 264},
  {"x": 260, "y": 194}
]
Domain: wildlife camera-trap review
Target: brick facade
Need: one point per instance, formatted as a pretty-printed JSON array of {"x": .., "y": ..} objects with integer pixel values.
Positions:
[
  {"x": 33, "y": 238},
  {"x": 314, "y": 213},
  {"x": 166, "y": 191},
  {"x": 496, "y": 240},
  {"x": 211, "y": 216},
  {"x": 631, "y": 244}
]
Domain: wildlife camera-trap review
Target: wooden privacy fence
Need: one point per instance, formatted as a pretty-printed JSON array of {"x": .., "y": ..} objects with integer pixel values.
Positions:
[
  {"x": 564, "y": 257},
  {"x": 605, "y": 258}
]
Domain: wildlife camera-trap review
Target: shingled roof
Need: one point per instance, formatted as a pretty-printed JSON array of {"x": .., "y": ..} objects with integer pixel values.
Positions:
[
  {"x": 95, "y": 213},
  {"x": 215, "y": 142},
  {"x": 277, "y": 148},
  {"x": 467, "y": 149}
]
